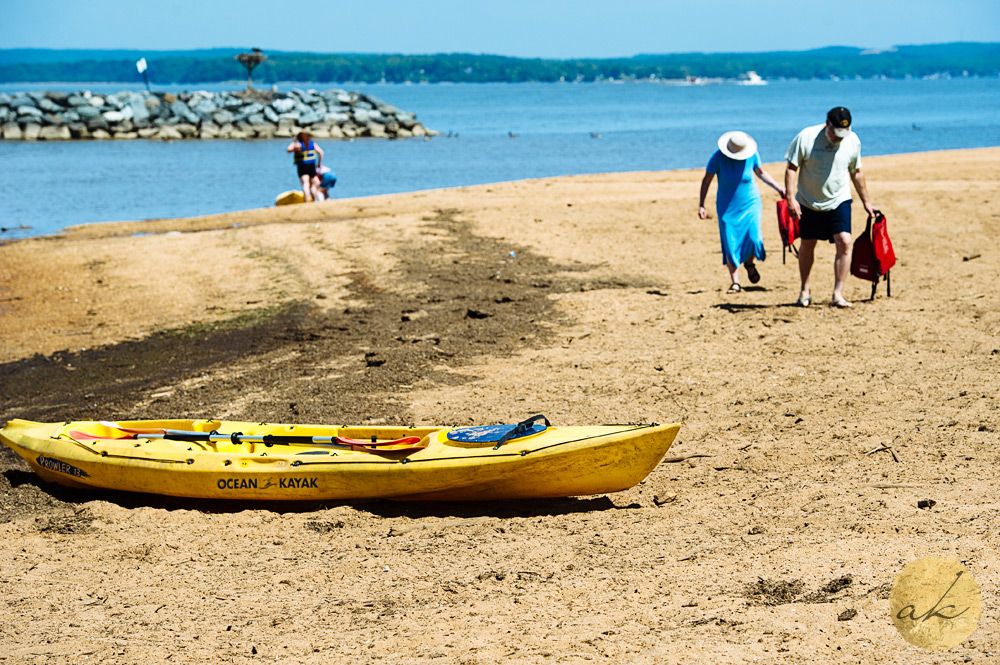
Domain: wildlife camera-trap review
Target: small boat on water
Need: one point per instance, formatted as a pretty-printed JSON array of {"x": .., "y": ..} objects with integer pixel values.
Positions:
[
  {"x": 214, "y": 459},
  {"x": 751, "y": 78}
]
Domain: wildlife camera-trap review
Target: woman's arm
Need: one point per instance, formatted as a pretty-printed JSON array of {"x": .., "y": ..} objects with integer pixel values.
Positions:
[
  {"x": 791, "y": 177},
  {"x": 705, "y": 182},
  {"x": 770, "y": 181},
  {"x": 293, "y": 146}
]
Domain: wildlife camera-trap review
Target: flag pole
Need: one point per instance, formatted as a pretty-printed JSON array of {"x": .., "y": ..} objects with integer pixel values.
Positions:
[{"x": 141, "y": 66}]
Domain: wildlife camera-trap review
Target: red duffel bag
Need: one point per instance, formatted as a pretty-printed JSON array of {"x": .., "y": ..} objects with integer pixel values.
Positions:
[
  {"x": 873, "y": 257},
  {"x": 788, "y": 228}
]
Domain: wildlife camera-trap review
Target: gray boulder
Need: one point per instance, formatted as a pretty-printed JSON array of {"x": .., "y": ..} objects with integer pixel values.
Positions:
[
  {"x": 307, "y": 96},
  {"x": 283, "y": 105},
  {"x": 138, "y": 108},
  {"x": 186, "y": 130},
  {"x": 55, "y": 133},
  {"x": 12, "y": 132},
  {"x": 184, "y": 112},
  {"x": 248, "y": 110},
  {"x": 28, "y": 112},
  {"x": 205, "y": 108},
  {"x": 60, "y": 98},
  {"x": 264, "y": 131},
  {"x": 407, "y": 120},
  {"x": 232, "y": 102},
  {"x": 223, "y": 117},
  {"x": 309, "y": 118},
  {"x": 168, "y": 133},
  {"x": 115, "y": 101},
  {"x": 336, "y": 118},
  {"x": 49, "y": 105}
]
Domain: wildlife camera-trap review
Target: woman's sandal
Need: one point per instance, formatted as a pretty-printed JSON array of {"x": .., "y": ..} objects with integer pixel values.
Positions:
[
  {"x": 734, "y": 288},
  {"x": 804, "y": 302},
  {"x": 841, "y": 304},
  {"x": 752, "y": 273}
]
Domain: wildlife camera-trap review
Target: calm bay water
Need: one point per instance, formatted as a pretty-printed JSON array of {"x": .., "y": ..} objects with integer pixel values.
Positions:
[{"x": 642, "y": 126}]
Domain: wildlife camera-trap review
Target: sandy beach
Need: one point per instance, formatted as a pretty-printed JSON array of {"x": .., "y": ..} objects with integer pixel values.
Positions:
[{"x": 772, "y": 534}]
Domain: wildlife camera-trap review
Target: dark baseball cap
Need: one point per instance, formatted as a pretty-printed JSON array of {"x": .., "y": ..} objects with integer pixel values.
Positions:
[{"x": 840, "y": 119}]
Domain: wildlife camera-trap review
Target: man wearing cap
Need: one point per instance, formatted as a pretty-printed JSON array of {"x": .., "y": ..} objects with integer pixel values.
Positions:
[{"x": 822, "y": 161}]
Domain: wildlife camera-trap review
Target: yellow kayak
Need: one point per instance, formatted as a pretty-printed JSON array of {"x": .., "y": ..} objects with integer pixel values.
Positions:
[
  {"x": 291, "y": 197},
  {"x": 213, "y": 459}
]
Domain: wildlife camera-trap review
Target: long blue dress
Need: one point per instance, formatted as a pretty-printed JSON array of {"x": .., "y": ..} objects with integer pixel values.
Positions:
[{"x": 739, "y": 207}]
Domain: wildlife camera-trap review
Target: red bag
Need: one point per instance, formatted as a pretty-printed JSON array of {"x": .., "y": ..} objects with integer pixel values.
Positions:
[
  {"x": 885, "y": 257},
  {"x": 873, "y": 256},
  {"x": 788, "y": 227}
]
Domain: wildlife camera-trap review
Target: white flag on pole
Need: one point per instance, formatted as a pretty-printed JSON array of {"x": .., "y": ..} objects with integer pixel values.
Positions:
[{"x": 141, "y": 65}]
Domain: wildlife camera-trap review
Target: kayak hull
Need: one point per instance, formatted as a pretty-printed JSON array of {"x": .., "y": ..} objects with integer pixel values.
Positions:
[
  {"x": 291, "y": 197},
  {"x": 556, "y": 462}
]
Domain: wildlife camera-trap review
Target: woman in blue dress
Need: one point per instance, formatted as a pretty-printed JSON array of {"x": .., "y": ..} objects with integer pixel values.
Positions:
[{"x": 738, "y": 203}]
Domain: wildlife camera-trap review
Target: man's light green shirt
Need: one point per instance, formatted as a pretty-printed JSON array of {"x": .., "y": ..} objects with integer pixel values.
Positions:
[{"x": 824, "y": 180}]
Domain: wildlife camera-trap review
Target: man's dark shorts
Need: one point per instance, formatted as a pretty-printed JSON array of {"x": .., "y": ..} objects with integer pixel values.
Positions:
[{"x": 824, "y": 224}]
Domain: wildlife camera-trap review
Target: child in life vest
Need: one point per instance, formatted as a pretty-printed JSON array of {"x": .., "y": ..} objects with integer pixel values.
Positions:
[{"x": 308, "y": 157}]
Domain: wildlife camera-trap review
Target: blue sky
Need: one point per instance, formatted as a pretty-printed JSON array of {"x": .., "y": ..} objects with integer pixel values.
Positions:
[{"x": 524, "y": 28}]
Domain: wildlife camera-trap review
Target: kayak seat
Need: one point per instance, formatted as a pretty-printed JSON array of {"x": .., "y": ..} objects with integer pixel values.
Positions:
[{"x": 497, "y": 434}]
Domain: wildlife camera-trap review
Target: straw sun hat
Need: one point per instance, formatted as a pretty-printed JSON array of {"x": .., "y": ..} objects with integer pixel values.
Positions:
[{"x": 737, "y": 145}]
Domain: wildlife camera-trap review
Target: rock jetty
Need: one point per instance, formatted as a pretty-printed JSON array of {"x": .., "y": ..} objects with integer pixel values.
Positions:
[{"x": 57, "y": 116}]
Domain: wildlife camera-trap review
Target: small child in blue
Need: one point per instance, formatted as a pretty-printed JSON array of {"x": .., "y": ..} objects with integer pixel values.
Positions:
[
  {"x": 738, "y": 203},
  {"x": 326, "y": 179}
]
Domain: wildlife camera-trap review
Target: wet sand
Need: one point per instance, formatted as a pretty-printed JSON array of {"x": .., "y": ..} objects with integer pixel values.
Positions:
[{"x": 810, "y": 434}]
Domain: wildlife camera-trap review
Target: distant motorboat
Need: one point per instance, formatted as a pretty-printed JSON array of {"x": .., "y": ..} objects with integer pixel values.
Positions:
[{"x": 751, "y": 78}]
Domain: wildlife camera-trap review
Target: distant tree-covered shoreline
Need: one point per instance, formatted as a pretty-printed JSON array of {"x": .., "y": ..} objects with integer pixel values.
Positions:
[{"x": 217, "y": 65}]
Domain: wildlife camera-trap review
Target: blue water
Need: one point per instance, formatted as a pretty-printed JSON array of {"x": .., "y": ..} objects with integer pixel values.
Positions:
[{"x": 642, "y": 126}]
